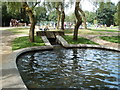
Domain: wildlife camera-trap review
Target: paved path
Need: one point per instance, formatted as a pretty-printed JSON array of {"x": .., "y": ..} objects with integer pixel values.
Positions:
[
  {"x": 114, "y": 33},
  {"x": 5, "y": 28},
  {"x": 6, "y": 39},
  {"x": 7, "y": 69}
]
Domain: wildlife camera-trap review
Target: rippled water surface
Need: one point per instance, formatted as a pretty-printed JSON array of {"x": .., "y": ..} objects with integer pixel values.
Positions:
[{"x": 70, "y": 68}]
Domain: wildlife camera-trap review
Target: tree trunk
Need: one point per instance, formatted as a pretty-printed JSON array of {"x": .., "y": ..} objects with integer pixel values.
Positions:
[
  {"x": 32, "y": 21},
  {"x": 119, "y": 15},
  {"x": 63, "y": 16},
  {"x": 84, "y": 17},
  {"x": 79, "y": 21},
  {"x": 59, "y": 14},
  {"x": 32, "y": 27}
]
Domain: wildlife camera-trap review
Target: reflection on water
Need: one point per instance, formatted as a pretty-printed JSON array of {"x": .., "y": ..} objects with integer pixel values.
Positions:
[{"x": 70, "y": 68}]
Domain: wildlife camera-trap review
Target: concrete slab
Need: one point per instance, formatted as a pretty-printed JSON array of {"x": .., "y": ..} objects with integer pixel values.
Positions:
[{"x": 66, "y": 45}]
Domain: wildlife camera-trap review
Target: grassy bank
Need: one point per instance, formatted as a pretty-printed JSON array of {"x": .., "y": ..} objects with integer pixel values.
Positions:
[
  {"x": 80, "y": 40},
  {"x": 23, "y": 42},
  {"x": 91, "y": 31},
  {"x": 19, "y": 30},
  {"x": 114, "y": 39},
  {"x": 105, "y": 30}
]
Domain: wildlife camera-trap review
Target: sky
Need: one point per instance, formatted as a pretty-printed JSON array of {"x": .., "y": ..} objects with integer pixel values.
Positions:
[{"x": 86, "y": 5}]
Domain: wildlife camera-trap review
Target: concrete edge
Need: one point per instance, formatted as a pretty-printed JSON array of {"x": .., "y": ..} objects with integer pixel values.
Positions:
[
  {"x": 12, "y": 65},
  {"x": 66, "y": 45},
  {"x": 46, "y": 41},
  {"x": 19, "y": 52}
]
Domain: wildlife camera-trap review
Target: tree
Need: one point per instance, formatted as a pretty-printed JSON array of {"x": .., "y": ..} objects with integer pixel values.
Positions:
[
  {"x": 70, "y": 18},
  {"x": 31, "y": 18},
  {"x": 41, "y": 13},
  {"x": 105, "y": 13},
  {"x": 9, "y": 11},
  {"x": 52, "y": 16},
  {"x": 84, "y": 17},
  {"x": 90, "y": 16},
  {"x": 0, "y": 13},
  {"x": 59, "y": 7},
  {"x": 5, "y": 15},
  {"x": 116, "y": 18},
  {"x": 58, "y": 13},
  {"x": 16, "y": 7},
  {"x": 118, "y": 10},
  {"x": 55, "y": 5},
  {"x": 79, "y": 20},
  {"x": 62, "y": 15}
]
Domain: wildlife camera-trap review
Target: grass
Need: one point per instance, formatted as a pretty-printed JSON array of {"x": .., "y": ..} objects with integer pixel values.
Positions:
[
  {"x": 98, "y": 31},
  {"x": 23, "y": 42},
  {"x": 80, "y": 40},
  {"x": 114, "y": 39},
  {"x": 85, "y": 32},
  {"x": 19, "y": 30},
  {"x": 105, "y": 30}
]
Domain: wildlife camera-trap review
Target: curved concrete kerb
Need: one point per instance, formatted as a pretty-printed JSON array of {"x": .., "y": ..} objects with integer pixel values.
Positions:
[
  {"x": 19, "y": 52},
  {"x": 66, "y": 45},
  {"x": 10, "y": 74}
]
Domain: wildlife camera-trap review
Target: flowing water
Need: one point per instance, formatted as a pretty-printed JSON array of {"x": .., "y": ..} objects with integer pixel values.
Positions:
[{"x": 70, "y": 68}]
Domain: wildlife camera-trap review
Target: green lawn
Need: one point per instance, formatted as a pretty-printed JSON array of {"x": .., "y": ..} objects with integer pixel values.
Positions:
[
  {"x": 19, "y": 30},
  {"x": 86, "y": 32},
  {"x": 23, "y": 42},
  {"x": 92, "y": 31},
  {"x": 105, "y": 30},
  {"x": 114, "y": 39},
  {"x": 80, "y": 40}
]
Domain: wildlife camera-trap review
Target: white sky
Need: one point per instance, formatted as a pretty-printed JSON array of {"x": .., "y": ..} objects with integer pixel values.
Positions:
[{"x": 86, "y": 5}]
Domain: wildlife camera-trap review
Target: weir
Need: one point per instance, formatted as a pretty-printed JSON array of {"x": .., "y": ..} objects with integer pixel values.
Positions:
[{"x": 50, "y": 35}]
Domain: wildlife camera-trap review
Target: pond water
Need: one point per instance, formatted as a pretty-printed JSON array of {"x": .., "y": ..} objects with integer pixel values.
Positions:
[{"x": 70, "y": 68}]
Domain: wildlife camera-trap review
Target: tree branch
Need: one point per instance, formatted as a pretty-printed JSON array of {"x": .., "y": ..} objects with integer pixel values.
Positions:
[{"x": 35, "y": 5}]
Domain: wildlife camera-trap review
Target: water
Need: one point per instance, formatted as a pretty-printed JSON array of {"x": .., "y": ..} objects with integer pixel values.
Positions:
[{"x": 70, "y": 68}]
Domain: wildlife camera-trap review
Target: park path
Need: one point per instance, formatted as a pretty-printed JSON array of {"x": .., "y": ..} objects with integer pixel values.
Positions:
[
  {"x": 6, "y": 38},
  {"x": 7, "y": 71}
]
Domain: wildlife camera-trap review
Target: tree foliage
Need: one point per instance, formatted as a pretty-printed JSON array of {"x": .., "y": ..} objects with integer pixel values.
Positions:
[
  {"x": 90, "y": 16},
  {"x": 105, "y": 13},
  {"x": 70, "y": 18},
  {"x": 9, "y": 11},
  {"x": 118, "y": 16},
  {"x": 52, "y": 16},
  {"x": 41, "y": 13}
]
